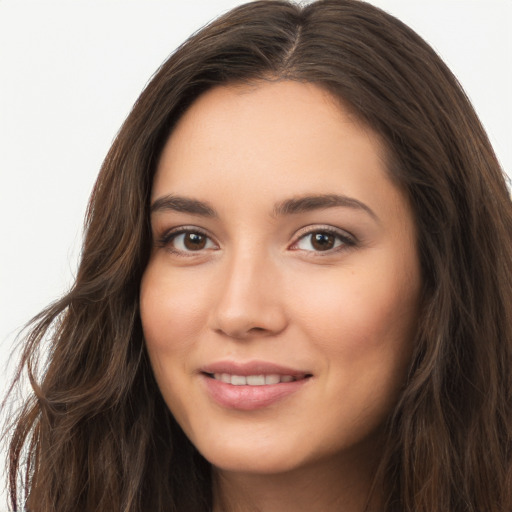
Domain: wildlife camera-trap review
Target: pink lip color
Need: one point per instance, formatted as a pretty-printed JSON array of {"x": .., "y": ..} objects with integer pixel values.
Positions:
[
  {"x": 251, "y": 368},
  {"x": 248, "y": 398}
]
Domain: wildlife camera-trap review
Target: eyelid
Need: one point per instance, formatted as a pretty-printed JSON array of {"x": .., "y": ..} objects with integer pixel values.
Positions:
[
  {"x": 164, "y": 240},
  {"x": 348, "y": 240}
]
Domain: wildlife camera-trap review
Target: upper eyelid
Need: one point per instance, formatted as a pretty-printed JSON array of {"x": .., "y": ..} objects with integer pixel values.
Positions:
[
  {"x": 348, "y": 240},
  {"x": 318, "y": 228},
  {"x": 184, "y": 229},
  {"x": 168, "y": 234}
]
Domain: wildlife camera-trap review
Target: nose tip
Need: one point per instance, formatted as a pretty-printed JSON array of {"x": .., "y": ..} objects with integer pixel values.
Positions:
[
  {"x": 248, "y": 304},
  {"x": 241, "y": 324}
]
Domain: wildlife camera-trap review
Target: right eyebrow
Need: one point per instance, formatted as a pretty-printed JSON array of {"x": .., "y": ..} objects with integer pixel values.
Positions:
[
  {"x": 183, "y": 205},
  {"x": 319, "y": 202}
]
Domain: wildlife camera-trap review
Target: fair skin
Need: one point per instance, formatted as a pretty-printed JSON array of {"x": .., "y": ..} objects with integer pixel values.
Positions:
[{"x": 280, "y": 328}]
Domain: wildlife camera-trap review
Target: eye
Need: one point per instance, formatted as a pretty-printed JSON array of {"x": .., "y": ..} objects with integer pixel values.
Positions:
[
  {"x": 187, "y": 241},
  {"x": 323, "y": 240}
]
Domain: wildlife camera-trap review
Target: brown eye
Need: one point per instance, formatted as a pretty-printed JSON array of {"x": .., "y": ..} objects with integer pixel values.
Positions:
[
  {"x": 194, "y": 241},
  {"x": 189, "y": 241},
  {"x": 322, "y": 241}
]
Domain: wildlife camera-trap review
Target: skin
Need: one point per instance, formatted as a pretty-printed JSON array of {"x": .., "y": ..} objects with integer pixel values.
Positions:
[{"x": 259, "y": 289}]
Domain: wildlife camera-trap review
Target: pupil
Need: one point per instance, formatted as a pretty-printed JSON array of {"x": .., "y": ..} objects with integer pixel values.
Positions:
[
  {"x": 323, "y": 241},
  {"x": 194, "y": 241}
]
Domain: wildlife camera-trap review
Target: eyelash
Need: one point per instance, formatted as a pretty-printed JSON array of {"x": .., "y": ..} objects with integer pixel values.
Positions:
[
  {"x": 165, "y": 241},
  {"x": 346, "y": 240}
]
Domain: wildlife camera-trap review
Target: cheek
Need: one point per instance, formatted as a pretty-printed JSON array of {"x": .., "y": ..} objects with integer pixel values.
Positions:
[
  {"x": 172, "y": 311},
  {"x": 363, "y": 329},
  {"x": 365, "y": 312},
  {"x": 172, "y": 316}
]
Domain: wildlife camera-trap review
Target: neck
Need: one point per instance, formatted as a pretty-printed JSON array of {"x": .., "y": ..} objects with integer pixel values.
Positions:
[{"x": 332, "y": 485}]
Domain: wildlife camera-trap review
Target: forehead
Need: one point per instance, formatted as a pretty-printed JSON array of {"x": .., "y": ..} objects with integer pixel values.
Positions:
[{"x": 271, "y": 139}]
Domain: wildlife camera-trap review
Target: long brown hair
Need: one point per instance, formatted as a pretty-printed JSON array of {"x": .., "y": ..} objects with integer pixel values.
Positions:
[{"x": 96, "y": 435}]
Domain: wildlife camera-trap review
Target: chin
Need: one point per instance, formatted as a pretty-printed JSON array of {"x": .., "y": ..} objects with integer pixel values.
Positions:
[
  {"x": 261, "y": 456},
  {"x": 254, "y": 464}
]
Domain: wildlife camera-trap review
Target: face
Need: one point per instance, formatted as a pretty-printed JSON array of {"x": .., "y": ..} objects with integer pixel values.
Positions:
[{"x": 280, "y": 301}]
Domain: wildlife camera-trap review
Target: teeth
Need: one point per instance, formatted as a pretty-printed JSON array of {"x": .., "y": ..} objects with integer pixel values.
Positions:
[
  {"x": 272, "y": 379},
  {"x": 238, "y": 380},
  {"x": 252, "y": 380},
  {"x": 256, "y": 380}
]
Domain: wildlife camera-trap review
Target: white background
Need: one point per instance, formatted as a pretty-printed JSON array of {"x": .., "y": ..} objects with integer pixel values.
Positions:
[{"x": 70, "y": 71}]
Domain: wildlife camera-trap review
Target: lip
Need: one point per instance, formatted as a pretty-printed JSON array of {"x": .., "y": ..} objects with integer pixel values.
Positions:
[
  {"x": 251, "y": 368},
  {"x": 249, "y": 398}
]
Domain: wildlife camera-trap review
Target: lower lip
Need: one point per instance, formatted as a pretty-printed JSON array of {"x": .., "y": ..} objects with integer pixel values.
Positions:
[{"x": 249, "y": 398}]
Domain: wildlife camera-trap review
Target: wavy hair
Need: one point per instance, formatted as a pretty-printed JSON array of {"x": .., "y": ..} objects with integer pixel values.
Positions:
[{"x": 96, "y": 435}]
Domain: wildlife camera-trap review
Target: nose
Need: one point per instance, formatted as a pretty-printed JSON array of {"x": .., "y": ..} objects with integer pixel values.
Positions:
[{"x": 249, "y": 303}]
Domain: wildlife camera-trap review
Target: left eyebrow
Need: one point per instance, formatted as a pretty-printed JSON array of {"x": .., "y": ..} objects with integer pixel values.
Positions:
[
  {"x": 183, "y": 205},
  {"x": 319, "y": 202}
]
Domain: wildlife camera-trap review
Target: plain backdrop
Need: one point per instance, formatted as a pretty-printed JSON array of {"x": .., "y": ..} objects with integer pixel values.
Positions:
[{"x": 70, "y": 71}]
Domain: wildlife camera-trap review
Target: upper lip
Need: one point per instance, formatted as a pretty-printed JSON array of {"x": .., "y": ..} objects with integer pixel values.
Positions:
[{"x": 251, "y": 368}]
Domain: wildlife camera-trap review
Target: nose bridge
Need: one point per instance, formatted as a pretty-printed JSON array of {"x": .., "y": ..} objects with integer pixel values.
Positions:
[{"x": 248, "y": 300}]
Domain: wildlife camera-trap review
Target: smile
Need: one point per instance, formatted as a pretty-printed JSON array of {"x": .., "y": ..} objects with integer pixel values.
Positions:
[
  {"x": 251, "y": 386},
  {"x": 253, "y": 380}
]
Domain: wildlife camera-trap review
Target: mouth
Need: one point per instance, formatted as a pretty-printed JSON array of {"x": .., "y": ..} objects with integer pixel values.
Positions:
[
  {"x": 252, "y": 385},
  {"x": 255, "y": 380}
]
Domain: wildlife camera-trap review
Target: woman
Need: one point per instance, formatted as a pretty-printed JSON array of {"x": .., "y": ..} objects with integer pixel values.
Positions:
[{"x": 294, "y": 291}]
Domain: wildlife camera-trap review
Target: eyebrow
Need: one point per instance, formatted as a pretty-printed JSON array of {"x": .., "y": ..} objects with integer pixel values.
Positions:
[
  {"x": 320, "y": 202},
  {"x": 291, "y": 206},
  {"x": 183, "y": 205}
]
